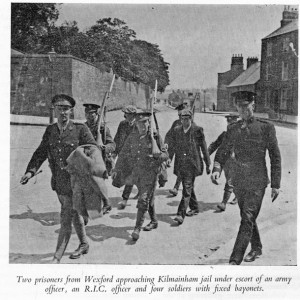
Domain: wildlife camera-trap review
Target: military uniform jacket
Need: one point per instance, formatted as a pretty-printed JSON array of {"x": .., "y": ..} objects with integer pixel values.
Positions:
[
  {"x": 123, "y": 131},
  {"x": 217, "y": 143},
  {"x": 249, "y": 142},
  {"x": 135, "y": 159},
  {"x": 106, "y": 136},
  {"x": 189, "y": 151},
  {"x": 57, "y": 147}
]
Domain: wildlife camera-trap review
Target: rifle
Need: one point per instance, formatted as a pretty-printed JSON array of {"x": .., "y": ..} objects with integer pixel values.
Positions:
[
  {"x": 101, "y": 114},
  {"x": 193, "y": 107},
  {"x": 155, "y": 149}
]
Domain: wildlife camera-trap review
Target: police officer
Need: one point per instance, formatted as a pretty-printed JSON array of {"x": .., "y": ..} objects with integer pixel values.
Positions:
[
  {"x": 58, "y": 141},
  {"x": 186, "y": 143},
  {"x": 124, "y": 129},
  {"x": 168, "y": 139},
  {"x": 137, "y": 159},
  {"x": 108, "y": 147},
  {"x": 250, "y": 138},
  {"x": 228, "y": 189}
]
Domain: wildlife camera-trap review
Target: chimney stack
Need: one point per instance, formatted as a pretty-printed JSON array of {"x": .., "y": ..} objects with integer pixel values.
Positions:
[
  {"x": 289, "y": 14},
  {"x": 251, "y": 61},
  {"x": 237, "y": 62}
]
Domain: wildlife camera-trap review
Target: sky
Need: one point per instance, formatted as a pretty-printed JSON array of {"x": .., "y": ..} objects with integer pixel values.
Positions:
[{"x": 197, "y": 40}]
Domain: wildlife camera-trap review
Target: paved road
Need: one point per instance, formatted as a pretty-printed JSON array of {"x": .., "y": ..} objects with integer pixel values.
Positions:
[{"x": 204, "y": 239}]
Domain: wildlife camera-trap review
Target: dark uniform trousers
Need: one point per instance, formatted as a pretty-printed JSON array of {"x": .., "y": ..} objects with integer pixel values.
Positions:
[
  {"x": 250, "y": 140},
  {"x": 68, "y": 216},
  {"x": 145, "y": 201},
  {"x": 127, "y": 191},
  {"x": 57, "y": 146},
  {"x": 249, "y": 203}
]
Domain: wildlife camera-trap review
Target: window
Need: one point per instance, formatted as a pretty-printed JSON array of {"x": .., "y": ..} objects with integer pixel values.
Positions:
[
  {"x": 284, "y": 98},
  {"x": 285, "y": 44},
  {"x": 285, "y": 71},
  {"x": 267, "y": 98},
  {"x": 269, "y": 49},
  {"x": 268, "y": 69}
]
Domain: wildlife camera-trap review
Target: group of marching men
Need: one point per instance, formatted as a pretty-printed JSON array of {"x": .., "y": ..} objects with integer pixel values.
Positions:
[{"x": 80, "y": 166}]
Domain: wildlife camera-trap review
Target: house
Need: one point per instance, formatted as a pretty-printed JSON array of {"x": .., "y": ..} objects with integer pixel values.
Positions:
[
  {"x": 279, "y": 66},
  {"x": 248, "y": 81},
  {"x": 225, "y": 78}
]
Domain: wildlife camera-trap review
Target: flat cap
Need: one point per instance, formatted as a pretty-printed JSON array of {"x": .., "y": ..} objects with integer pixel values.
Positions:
[
  {"x": 231, "y": 117},
  {"x": 186, "y": 113},
  {"x": 243, "y": 97},
  {"x": 181, "y": 106},
  {"x": 63, "y": 99},
  {"x": 91, "y": 107},
  {"x": 143, "y": 116},
  {"x": 129, "y": 109}
]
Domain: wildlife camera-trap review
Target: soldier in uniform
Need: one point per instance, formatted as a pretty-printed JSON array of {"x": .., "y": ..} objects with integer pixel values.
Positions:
[
  {"x": 250, "y": 138},
  {"x": 168, "y": 139},
  {"x": 124, "y": 129},
  {"x": 228, "y": 189},
  {"x": 186, "y": 143},
  {"x": 58, "y": 141},
  {"x": 142, "y": 167},
  {"x": 92, "y": 115}
]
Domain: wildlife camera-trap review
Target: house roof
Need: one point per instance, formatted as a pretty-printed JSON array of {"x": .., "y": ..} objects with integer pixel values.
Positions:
[
  {"x": 250, "y": 76},
  {"x": 15, "y": 52},
  {"x": 292, "y": 26}
]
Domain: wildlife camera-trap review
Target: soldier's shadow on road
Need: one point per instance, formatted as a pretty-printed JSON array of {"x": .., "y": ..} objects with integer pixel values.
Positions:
[
  {"x": 101, "y": 232},
  {"x": 20, "y": 258},
  {"x": 203, "y": 206},
  {"x": 46, "y": 219},
  {"x": 163, "y": 192},
  {"x": 167, "y": 218}
]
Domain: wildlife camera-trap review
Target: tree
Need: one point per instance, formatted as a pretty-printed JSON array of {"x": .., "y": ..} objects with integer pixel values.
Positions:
[
  {"x": 148, "y": 65},
  {"x": 112, "y": 41},
  {"x": 29, "y": 23}
]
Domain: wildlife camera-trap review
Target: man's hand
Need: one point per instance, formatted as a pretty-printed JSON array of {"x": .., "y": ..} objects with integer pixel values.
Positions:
[
  {"x": 274, "y": 194},
  {"x": 113, "y": 174},
  {"x": 214, "y": 177},
  {"x": 168, "y": 163},
  {"x": 26, "y": 177}
]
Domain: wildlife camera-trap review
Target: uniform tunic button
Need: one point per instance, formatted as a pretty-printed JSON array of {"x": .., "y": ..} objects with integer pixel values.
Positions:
[{"x": 138, "y": 152}]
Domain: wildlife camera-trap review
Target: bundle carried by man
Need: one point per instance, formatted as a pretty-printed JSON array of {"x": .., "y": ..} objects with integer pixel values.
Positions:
[{"x": 88, "y": 173}]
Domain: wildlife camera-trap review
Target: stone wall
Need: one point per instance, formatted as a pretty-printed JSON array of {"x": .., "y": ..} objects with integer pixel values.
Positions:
[
  {"x": 35, "y": 79},
  {"x": 89, "y": 85}
]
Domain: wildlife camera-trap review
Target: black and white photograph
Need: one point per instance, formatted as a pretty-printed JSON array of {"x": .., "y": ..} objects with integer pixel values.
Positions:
[{"x": 152, "y": 150}]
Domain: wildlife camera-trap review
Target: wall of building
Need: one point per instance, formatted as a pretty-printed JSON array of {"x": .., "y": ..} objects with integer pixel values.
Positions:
[
  {"x": 35, "y": 79},
  {"x": 224, "y": 79},
  {"x": 273, "y": 84}
]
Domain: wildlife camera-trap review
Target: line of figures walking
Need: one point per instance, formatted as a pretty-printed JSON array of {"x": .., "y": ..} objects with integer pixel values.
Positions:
[{"x": 80, "y": 166}]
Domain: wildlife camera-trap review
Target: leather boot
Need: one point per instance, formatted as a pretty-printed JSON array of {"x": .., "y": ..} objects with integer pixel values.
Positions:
[
  {"x": 138, "y": 225},
  {"x": 226, "y": 196}
]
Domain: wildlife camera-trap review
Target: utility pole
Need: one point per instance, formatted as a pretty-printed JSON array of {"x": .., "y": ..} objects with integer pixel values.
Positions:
[{"x": 204, "y": 104}]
